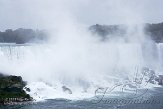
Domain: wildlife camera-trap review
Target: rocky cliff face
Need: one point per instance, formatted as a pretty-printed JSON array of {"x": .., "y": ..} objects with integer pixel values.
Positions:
[{"x": 11, "y": 89}]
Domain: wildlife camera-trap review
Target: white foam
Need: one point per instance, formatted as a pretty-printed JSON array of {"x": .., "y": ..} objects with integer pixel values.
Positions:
[{"x": 81, "y": 67}]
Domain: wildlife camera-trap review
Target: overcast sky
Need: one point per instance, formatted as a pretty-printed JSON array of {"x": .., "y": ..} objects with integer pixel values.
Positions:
[{"x": 42, "y": 13}]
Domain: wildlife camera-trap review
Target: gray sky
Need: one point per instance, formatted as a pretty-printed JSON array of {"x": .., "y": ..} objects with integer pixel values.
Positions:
[{"x": 43, "y": 13}]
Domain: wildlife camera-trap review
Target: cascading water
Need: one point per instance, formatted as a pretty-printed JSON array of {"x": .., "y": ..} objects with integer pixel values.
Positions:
[
  {"x": 160, "y": 54},
  {"x": 82, "y": 69}
]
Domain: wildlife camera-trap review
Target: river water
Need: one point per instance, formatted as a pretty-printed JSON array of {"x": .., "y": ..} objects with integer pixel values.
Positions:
[{"x": 152, "y": 99}]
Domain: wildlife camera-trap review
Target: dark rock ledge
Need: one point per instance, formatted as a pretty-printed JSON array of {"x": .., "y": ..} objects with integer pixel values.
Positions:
[{"x": 11, "y": 90}]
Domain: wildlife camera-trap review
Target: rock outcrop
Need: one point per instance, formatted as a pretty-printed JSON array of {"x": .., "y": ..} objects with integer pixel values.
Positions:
[
  {"x": 66, "y": 89},
  {"x": 152, "y": 77},
  {"x": 160, "y": 79},
  {"x": 11, "y": 89}
]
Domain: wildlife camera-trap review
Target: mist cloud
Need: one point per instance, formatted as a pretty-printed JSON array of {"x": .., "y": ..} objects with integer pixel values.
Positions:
[{"x": 73, "y": 56}]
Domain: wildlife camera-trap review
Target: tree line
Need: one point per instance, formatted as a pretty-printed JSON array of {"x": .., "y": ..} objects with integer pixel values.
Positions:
[
  {"x": 21, "y": 36},
  {"x": 154, "y": 31}
]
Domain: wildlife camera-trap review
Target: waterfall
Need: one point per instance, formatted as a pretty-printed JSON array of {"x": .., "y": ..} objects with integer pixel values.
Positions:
[
  {"x": 82, "y": 68},
  {"x": 160, "y": 55}
]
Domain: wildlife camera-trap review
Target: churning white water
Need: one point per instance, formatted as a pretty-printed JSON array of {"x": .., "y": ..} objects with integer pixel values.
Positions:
[{"x": 80, "y": 67}]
